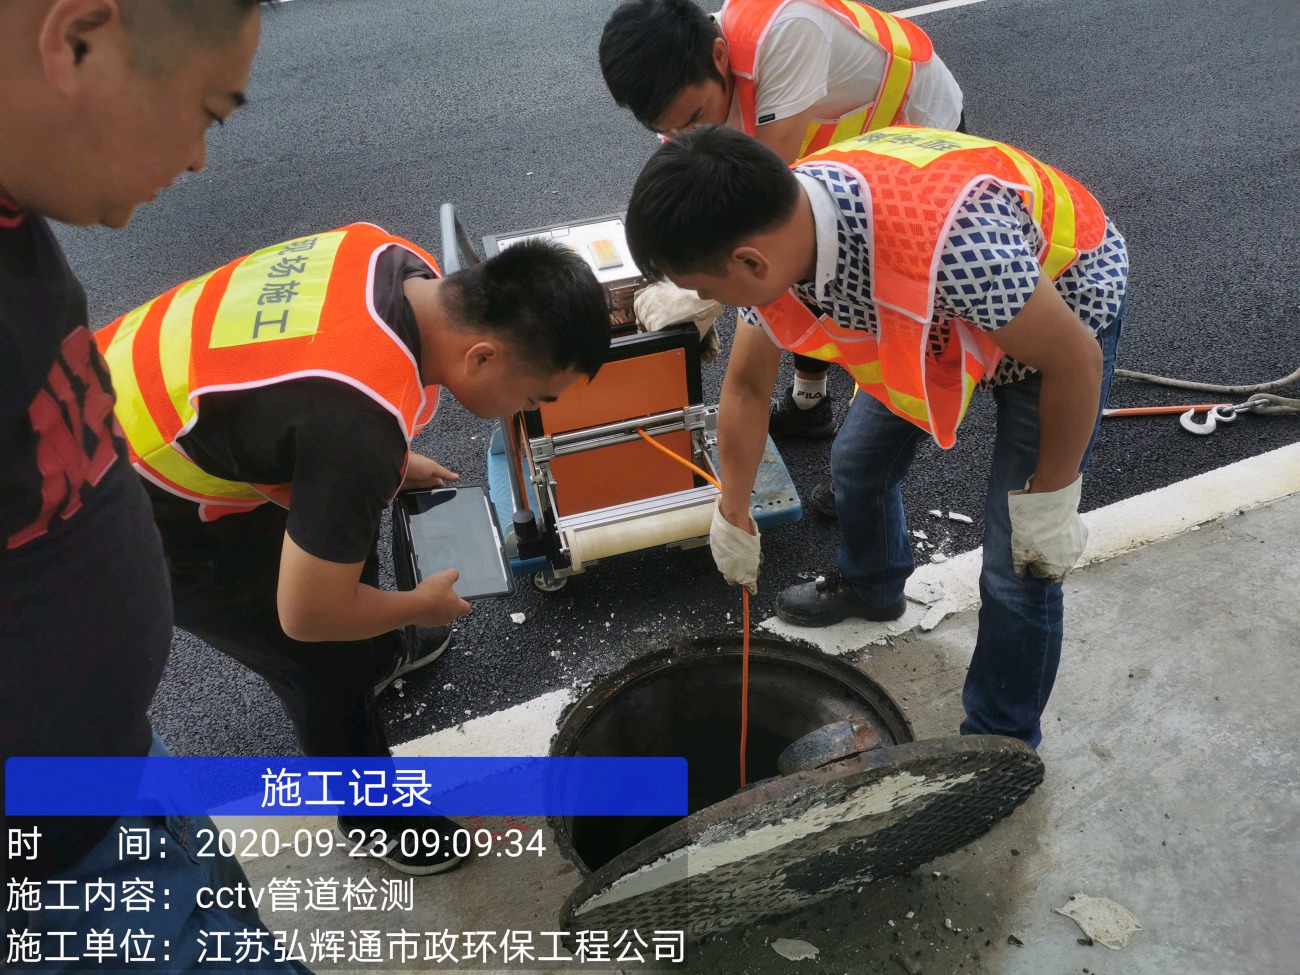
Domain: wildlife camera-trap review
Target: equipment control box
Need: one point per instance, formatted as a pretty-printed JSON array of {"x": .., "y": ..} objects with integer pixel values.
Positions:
[{"x": 602, "y": 243}]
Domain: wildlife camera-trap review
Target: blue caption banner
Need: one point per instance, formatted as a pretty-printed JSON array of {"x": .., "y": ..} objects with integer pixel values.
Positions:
[{"x": 319, "y": 786}]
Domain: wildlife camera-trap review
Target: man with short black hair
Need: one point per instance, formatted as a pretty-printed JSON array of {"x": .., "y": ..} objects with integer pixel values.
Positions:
[
  {"x": 96, "y": 117},
  {"x": 308, "y": 367},
  {"x": 797, "y": 75},
  {"x": 929, "y": 264}
]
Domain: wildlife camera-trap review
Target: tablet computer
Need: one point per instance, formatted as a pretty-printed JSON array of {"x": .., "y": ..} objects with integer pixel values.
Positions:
[{"x": 451, "y": 528}]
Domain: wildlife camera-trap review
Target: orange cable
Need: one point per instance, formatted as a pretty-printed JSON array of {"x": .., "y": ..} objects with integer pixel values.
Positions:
[{"x": 744, "y": 600}]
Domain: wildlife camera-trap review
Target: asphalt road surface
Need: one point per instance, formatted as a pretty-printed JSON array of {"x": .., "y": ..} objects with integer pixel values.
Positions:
[{"x": 1180, "y": 117}]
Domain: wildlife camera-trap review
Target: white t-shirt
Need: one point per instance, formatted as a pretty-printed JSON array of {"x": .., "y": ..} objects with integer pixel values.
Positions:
[{"x": 812, "y": 59}]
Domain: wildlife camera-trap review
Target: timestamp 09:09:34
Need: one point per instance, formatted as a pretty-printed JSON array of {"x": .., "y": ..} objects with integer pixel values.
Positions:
[{"x": 249, "y": 844}]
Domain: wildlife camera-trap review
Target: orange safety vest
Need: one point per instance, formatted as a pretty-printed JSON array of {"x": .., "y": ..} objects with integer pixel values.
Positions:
[
  {"x": 746, "y": 23},
  {"x": 914, "y": 180},
  {"x": 298, "y": 309}
]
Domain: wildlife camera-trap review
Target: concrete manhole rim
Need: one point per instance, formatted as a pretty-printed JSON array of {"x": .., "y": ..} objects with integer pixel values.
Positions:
[{"x": 763, "y": 649}]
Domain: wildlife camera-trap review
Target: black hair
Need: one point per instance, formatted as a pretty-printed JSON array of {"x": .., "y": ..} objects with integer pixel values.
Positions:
[
  {"x": 164, "y": 31},
  {"x": 702, "y": 194},
  {"x": 542, "y": 300},
  {"x": 652, "y": 49}
]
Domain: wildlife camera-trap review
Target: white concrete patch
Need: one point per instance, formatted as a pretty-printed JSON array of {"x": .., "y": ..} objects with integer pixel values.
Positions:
[
  {"x": 936, "y": 590},
  {"x": 523, "y": 730},
  {"x": 701, "y": 858}
]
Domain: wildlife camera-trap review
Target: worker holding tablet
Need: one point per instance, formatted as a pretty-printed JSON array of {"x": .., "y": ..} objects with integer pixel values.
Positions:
[{"x": 269, "y": 407}]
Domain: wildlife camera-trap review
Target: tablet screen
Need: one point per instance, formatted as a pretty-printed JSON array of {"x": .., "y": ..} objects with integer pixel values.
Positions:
[{"x": 454, "y": 528}]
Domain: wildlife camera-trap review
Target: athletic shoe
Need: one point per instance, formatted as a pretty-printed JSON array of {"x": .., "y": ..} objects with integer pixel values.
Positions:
[
  {"x": 788, "y": 420},
  {"x": 822, "y": 500},
  {"x": 420, "y": 645}
]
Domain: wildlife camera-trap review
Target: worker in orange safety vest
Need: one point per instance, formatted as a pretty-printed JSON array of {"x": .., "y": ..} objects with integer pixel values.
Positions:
[
  {"x": 930, "y": 265},
  {"x": 270, "y": 406},
  {"x": 798, "y": 75}
]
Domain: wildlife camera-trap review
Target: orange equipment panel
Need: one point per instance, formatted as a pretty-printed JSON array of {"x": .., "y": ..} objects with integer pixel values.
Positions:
[
  {"x": 622, "y": 390},
  {"x": 625, "y": 472}
]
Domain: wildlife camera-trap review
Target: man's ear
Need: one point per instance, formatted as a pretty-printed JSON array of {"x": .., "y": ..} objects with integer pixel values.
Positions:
[
  {"x": 753, "y": 261},
  {"x": 70, "y": 31},
  {"x": 480, "y": 356},
  {"x": 721, "y": 57}
]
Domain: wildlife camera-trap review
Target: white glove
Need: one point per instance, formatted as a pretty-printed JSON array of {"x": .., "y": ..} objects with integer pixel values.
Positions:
[
  {"x": 736, "y": 552},
  {"x": 663, "y": 303},
  {"x": 1047, "y": 534}
]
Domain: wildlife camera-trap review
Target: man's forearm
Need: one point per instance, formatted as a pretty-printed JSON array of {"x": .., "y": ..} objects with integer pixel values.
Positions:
[
  {"x": 1067, "y": 415},
  {"x": 742, "y": 438},
  {"x": 364, "y": 613}
]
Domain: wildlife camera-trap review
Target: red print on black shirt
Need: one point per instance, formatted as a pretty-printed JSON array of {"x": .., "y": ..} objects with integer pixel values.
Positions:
[{"x": 72, "y": 416}]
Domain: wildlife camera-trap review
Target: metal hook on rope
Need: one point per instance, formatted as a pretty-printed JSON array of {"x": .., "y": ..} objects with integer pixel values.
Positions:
[{"x": 1214, "y": 416}]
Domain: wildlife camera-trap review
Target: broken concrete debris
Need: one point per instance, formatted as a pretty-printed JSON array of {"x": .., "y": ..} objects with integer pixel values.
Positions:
[
  {"x": 952, "y": 516},
  {"x": 794, "y": 950},
  {"x": 1101, "y": 919}
]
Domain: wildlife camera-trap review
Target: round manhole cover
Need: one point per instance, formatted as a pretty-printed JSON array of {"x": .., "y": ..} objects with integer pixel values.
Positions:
[{"x": 792, "y": 840}]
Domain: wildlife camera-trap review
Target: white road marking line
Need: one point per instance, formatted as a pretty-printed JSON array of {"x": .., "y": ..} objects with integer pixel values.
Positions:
[
  {"x": 525, "y": 729},
  {"x": 929, "y": 8},
  {"x": 946, "y": 588}
]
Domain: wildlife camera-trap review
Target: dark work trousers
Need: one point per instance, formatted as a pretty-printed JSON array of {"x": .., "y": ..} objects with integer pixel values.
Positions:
[
  {"x": 808, "y": 364},
  {"x": 224, "y": 576}
]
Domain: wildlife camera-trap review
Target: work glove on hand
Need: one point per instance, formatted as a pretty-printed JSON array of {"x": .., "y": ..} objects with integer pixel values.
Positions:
[
  {"x": 736, "y": 552},
  {"x": 662, "y": 304},
  {"x": 1047, "y": 534}
]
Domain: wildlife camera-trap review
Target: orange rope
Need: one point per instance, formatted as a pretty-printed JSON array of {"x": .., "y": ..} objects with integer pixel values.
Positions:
[
  {"x": 744, "y": 686},
  {"x": 744, "y": 601}
]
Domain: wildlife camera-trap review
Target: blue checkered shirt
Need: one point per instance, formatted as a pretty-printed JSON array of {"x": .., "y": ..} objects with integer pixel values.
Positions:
[{"x": 987, "y": 270}]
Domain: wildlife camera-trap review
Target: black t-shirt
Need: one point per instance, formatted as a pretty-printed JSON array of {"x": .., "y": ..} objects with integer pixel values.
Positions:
[
  {"x": 339, "y": 449},
  {"x": 85, "y": 606}
]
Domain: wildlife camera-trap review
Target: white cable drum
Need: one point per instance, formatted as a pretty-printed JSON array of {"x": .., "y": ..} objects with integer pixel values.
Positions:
[{"x": 602, "y": 541}]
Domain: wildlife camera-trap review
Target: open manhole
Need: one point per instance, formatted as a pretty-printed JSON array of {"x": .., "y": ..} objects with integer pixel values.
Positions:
[{"x": 785, "y": 840}]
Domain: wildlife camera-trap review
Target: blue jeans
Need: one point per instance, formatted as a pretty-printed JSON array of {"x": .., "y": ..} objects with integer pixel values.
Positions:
[
  {"x": 177, "y": 880},
  {"x": 1019, "y": 643}
]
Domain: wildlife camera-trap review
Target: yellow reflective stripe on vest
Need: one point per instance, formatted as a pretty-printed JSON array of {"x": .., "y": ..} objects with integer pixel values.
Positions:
[
  {"x": 130, "y": 407},
  {"x": 174, "y": 346},
  {"x": 1061, "y": 251},
  {"x": 276, "y": 293},
  {"x": 825, "y": 352},
  {"x": 845, "y": 128},
  {"x": 893, "y": 90},
  {"x": 968, "y": 387},
  {"x": 899, "y": 73},
  {"x": 146, "y": 440},
  {"x": 1031, "y": 179},
  {"x": 865, "y": 373},
  {"x": 910, "y": 406}
]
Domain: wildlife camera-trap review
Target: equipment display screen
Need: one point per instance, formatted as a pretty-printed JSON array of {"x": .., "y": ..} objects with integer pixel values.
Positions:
[{"x": 454, "y": 528}]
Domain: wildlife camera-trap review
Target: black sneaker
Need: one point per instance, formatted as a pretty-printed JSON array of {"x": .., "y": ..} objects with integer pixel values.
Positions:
[
  {"x": 429, "y": 841},
  {"x": 830, "y": 600},
  {"x": 787, "y": 420},
  {"x": 822, "y": 500},
  {"x": 420, "y": 645}
]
